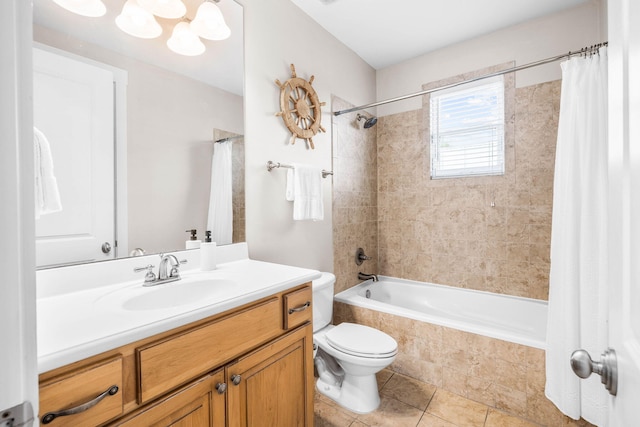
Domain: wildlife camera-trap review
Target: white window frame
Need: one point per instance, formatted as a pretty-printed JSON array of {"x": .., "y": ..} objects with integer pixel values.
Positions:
[{"x": 493, "y": 153}]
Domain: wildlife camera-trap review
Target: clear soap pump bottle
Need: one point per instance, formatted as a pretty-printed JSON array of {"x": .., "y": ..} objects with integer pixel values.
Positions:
[{"x": 208, "y": 253}]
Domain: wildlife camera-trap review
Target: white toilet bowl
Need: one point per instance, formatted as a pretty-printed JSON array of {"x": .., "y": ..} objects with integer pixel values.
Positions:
[{"x": 361, "y": 352}]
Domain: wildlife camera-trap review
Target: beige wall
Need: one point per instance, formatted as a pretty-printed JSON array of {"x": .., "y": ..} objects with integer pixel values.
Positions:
[
  {"x": 278, "y": 33},
  {"x": 527, "y": 42}
]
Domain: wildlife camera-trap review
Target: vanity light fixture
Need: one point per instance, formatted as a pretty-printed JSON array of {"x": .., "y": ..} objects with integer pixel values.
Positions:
[
  {"x": 209, "y": 22},
  {"x": 170, "y": 9},
  {"x": 90, "y": 8},
  {"x": 185, "y": 41},
  {"x": 137, "y": 21}
]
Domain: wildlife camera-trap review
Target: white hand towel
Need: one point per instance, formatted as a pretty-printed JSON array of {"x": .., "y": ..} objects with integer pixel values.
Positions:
[
  {"x": 304, "y": 186},
  {"x": 46, "y": 186}
]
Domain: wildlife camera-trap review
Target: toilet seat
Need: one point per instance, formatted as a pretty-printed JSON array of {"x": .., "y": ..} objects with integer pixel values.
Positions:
[{"x": 361, "y": 341}]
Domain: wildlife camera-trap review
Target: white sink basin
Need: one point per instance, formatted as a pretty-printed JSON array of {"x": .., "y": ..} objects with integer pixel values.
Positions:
[{"x": 181, "y": 292}]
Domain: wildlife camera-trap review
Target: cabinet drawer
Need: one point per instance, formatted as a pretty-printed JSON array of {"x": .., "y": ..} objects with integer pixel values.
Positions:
[
  {"x": 297, "y": 307},
  {"x": 171, "y": 362},
  {"x": 80, "y": 387}
]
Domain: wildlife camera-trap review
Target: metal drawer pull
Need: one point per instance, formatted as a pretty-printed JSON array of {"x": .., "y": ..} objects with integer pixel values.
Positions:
[
  {"x": 235, "y": 379},
  {"x": 50, "y": 416},
  {"x": 303, "y": 307}
]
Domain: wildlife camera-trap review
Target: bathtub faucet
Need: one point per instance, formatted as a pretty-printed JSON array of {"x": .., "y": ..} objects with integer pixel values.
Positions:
[{"x": 364, "y": 276}]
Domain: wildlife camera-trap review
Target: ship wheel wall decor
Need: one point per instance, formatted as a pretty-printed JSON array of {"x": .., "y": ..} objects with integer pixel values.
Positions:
[{"x": 300, "y": 108}]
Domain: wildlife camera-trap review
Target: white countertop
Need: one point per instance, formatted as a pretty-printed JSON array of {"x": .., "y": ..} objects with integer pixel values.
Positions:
[{"x": 82, "y": 323}]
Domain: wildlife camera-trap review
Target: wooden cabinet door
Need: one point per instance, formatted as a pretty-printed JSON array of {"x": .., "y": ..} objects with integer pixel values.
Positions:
[
  {"x": 197, "y": 405},
  {"x": 273, "y": 386}
]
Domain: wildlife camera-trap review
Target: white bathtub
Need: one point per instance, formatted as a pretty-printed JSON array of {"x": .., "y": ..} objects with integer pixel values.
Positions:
[{"x": 515, "y": 319}]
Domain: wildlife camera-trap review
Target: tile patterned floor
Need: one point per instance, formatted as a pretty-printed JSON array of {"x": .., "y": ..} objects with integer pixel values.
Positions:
[{"x": 406, "y": 402}]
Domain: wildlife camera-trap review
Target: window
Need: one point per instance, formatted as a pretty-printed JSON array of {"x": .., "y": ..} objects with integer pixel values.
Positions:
[{"x": 467, "y": 129}]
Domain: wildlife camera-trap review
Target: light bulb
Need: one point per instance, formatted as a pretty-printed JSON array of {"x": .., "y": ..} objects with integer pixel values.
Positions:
[
  {"x": 184, "y": 41},
  {"x": 90, "y": 8},
  {"x": 137, "y": 22},
  {"x": 209, "y": 22},
  {"x": 170, "y": 9}
]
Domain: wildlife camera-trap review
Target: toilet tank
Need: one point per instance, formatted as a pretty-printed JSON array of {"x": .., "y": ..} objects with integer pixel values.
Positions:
[{"x": 322, "y": 289}]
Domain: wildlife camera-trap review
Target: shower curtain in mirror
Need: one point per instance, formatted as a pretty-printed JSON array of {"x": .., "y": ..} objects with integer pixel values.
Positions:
[
  {"x": 577, "y": 315},
  {"x": 220, "y": 219}
]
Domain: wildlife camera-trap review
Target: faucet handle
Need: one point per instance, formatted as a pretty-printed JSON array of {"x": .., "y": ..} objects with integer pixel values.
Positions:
[
  {"x": 150, "y": 276},
  {"x": 175, "y": 269}
]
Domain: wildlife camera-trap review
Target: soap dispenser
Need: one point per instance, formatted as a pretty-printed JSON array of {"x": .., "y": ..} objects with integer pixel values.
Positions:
[
  {"x": 208, "y": 253},
  {"x": 193, "y": 242}
]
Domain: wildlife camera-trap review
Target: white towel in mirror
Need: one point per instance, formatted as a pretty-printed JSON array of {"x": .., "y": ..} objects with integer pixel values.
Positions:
[{"x": 46, "y": 186}]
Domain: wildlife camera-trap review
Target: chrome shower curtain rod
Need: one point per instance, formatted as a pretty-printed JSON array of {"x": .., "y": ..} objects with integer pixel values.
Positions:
[{"x": 584, "y": 51}]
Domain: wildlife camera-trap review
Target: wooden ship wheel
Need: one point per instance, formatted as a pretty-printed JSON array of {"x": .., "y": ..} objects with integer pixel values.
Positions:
[{"x": 300, "y": 108}]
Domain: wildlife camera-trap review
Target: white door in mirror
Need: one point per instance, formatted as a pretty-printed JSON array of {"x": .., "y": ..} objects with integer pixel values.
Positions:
[{"x": 73, "y": 108}]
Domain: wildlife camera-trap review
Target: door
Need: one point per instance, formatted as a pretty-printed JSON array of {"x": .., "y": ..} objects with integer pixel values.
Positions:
[
  {"x": 73, "y": 106},
  {"x": 273, "y": 386},
  {"x": 18, "y": 360},
  {"x": 624, "y": 159}
]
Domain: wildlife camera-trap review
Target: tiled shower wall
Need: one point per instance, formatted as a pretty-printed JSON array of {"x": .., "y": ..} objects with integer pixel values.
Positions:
[
  {"x": 355, "y": 213},
  {"x": 485, "y": 233}
]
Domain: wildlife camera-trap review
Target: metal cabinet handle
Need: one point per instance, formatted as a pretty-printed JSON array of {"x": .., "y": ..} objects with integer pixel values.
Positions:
[
  {"x": 50, "y": 416},
  {"x": 221, "y": 388},
  {"x": 300, "y": 308},
  {"x": 236, "y": 379},
  {"x": 607, "y": 368}
]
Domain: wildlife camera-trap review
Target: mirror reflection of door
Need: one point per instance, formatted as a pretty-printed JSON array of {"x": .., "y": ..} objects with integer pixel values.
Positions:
[{"x": 74, "y": 109}]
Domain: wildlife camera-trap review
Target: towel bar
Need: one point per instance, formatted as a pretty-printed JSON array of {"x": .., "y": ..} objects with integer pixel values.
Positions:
[{"x": 272, "y": 165}]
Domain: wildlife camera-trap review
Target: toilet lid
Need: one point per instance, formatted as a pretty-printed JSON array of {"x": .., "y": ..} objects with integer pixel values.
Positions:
[{"x": 360, "y": 340}]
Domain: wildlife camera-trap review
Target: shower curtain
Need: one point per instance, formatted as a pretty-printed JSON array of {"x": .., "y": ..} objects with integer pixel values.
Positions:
[
  {"x": 220, "y": 218},
  {"x": 577, "y": 316}
]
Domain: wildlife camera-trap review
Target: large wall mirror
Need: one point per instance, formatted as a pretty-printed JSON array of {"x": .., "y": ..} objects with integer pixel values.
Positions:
[{"x": 157, "y": 113}]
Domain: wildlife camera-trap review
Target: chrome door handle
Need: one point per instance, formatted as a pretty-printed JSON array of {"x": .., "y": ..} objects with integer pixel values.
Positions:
[{"x": 607, "y": 368}]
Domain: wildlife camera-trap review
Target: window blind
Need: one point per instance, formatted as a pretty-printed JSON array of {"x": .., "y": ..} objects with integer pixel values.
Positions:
[{"x": 467, "y": 130}]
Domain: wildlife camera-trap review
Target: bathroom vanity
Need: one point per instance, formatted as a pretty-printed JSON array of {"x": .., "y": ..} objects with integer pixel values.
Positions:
[{"x": 241, "y": 359}]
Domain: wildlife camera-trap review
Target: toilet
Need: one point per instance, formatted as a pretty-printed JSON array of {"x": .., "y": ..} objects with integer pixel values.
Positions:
[{"x": 347, "y": 356}]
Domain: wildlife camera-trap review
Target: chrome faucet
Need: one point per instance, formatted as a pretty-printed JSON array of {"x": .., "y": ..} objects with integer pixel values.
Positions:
[
  {"x": 365, "y": 276},
  {"x": 162, "y": 270},
  {"x": 151, "y": 279}
]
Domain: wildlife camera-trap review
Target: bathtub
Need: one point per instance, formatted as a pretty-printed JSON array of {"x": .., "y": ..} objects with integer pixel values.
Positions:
[{"x": 509, "y": 318}]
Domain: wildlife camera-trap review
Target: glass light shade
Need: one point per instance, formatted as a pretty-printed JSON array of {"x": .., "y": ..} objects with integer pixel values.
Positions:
[
  {"x": 209, "y": 22},
  {"x": 91, "y": 8},
  {"x": 137, "y": 22},
  {"x": 184, "y": 41},
  {"x": 170, "y": 9}
]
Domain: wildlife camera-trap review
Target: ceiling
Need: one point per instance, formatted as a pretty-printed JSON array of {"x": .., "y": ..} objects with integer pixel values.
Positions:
[{"x": 385, "y": 33}]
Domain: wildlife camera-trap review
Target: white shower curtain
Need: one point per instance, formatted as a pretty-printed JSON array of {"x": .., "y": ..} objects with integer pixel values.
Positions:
[
  {"x": 577, "y": 297},
  {"x": 220, "y": 219}
]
